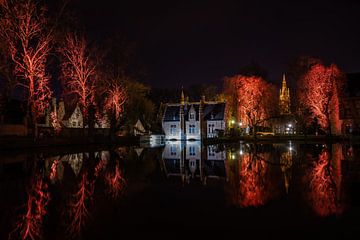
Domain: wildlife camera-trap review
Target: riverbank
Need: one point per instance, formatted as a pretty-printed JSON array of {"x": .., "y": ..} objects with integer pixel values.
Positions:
[
  {"x": 24, "y": 143},
  {"x": 284, "y": 138}
]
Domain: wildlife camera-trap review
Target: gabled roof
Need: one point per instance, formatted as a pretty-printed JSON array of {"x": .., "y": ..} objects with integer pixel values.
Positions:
[
  {"x": 212, "y": 111},
  {"x": 172, "y": 114},
  {"x": 69, "y": 110}
]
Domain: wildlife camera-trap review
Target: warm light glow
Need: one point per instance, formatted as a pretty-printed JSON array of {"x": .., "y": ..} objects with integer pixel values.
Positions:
[
  {"x": 115, "y": 182},
  {"x": 318, "y": 93},
  {"x": 29, "y": 225},
  {"x": 322, "y": 193},
  {"x": 78, "y": 210}
]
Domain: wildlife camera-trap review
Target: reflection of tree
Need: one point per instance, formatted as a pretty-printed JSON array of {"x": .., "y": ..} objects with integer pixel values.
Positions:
[
  {"x": 115, "y": 182},
  {"x": 322, "y": 194},
  {"x": 286, "y": 162},
  {"x": 78, "y": 209},
  {"x": 252, "y": 181},
  {"x": 29, "y": 225},
  {"x": 53, "y": 169}
]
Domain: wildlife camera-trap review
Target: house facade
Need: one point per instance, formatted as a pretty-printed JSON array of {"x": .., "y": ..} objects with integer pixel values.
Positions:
[
  {"x": 70, "y": 116},
  {"x": 193, "y": 120}
]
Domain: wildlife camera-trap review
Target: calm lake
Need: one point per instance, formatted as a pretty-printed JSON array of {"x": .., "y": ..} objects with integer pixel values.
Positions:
[{"x": 182, "y": 190}]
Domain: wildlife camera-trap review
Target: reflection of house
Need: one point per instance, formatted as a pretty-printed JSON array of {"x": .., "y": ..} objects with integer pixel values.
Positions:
[
  {"x": 139, "y": 128},
  {"x": 350, "y": 105},
  {"x": 193, "y": 120},
  {"x": 190, "y": 161},
  {"x": 74, "y": 160}
]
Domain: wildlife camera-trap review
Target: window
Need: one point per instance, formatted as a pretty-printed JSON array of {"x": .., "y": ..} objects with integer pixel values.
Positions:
[
  {"x": 192, "y": 116},
  {"x": 211, "y": 128},
  {"x": 173, "y": 150},
  {"x": 172, "y": 129},
  {"x": 211, "y": 151},
  {"x": 192, "y": 150},
  {"x": 191, "y": 129}
]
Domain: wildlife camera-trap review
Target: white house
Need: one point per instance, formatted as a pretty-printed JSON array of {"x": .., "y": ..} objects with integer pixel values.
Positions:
[{"x": 193, "y": 120}]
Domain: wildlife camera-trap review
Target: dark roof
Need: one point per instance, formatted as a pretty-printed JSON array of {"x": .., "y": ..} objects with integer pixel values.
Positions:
[
  {"x": 69, "y": 110},
  {"x": 212, "y": 111},
  {"x": 352, "y": 88},
  {"x": 172, "y": 114}
]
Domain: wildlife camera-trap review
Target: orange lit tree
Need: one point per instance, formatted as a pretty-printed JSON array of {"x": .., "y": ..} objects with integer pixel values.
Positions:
[
  {"x": 23, "y": 29},
  {"x": 79, "y": 71},
  {"x": 318, "y": 94},
  {"x": 253, "y": 100}
]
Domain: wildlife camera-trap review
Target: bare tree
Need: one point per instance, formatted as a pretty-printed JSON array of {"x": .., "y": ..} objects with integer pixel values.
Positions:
[
  {"x": 79, "y": 71},
  {"x": 23, "y": 26}
]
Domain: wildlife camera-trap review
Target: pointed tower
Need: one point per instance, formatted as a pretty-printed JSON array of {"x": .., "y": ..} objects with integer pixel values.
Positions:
[
  {"x": 181, "y": 113},
  {"x": 284, "y": 98}
]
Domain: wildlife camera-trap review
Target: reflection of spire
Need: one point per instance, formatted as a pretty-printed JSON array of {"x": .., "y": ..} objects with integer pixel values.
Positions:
[{"x": 286, "y": 164}]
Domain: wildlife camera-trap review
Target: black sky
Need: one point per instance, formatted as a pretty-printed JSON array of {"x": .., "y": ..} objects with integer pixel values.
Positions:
[{"x": 187, "y": 42}]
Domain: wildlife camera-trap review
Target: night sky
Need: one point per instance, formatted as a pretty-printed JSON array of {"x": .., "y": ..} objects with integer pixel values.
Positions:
[{"x": 189, "y": 42}]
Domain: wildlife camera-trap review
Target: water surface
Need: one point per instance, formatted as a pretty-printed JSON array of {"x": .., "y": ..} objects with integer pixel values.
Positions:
[{"x": 284, "y": 190}]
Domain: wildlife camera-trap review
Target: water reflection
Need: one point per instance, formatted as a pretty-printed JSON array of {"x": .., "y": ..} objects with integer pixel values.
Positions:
[
  {"x": 30, "y": 222},
  {"x": 192, "y": 161},
  {"x": 87, "y": 170},
  {"x": 253, "y": 182},
  {"x": 324, "y": 179},
  {"x": 68, "y": 191}
]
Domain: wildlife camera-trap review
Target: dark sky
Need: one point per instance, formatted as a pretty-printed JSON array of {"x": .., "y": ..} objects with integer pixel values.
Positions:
[{"x": 187, "y": 42}]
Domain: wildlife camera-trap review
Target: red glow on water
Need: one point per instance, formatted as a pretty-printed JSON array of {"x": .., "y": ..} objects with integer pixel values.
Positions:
[
  {"x": 115, "y": 182},
  {"x": 78, "y": 209},
  {"x": 29, "y": 226},
  {"x": 99, "y": 167},
  {"x": 322, "y": 186},
  {"x": 53, "y": 170},
  {"x": 252, "y": 182}
]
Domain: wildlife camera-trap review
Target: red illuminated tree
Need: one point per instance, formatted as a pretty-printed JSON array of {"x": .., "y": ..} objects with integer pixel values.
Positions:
[
  {"x": 79, "y": 71},
  {"x": 319, "y": 90},
  {"x": 23, "y": 29},
  {"x": 30, "y": 224},
  {"x": 115, "y": 102},
  {"x": 253, "y": 99}
]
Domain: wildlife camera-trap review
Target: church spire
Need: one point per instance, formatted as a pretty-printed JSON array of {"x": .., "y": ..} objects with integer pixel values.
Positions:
[
  {"x": 182, "y": 96},
  {"x": 284, "y": 98}
]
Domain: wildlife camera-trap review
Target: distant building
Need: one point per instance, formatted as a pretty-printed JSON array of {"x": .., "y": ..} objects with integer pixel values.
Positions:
[
  {"x": 350, "y": 105},
  {"x": 284, "y": 98},
  {"x": 70, "y": 116},
  {"x": 193, "y": 120},
  {"x": 285, "y": 123}
]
